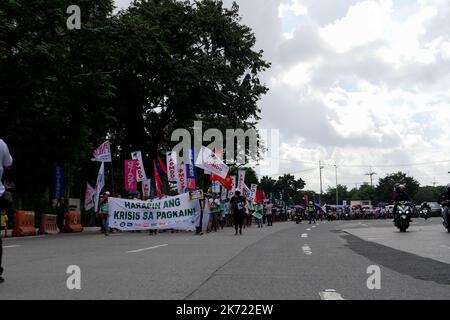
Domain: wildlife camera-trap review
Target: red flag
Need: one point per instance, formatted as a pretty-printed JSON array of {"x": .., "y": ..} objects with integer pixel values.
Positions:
[
  {"x": 163, "y": 166},
  {"x": 227, "y": 182},
  {"x": 306, "y": 200},
  {"x": 260, "y": 196},
  {"x": 158, "y": 183}
]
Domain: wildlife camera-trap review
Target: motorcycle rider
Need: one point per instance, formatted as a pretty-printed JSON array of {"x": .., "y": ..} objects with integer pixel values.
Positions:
[
  {"x": 444, "y": 200},
  {"x": 399, "y": 196},
  {"x": 425, "y": 207}
]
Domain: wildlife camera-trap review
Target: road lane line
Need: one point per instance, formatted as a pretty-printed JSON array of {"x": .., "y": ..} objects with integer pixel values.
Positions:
[
  {"x": 11, "y": 246},
  {"x": 313, "y": 226},
  {"x": 307, "y": 249},
  {"x": 304, "y": 235},
  {"x": 444, "y": 246},
  {"x": 330, "y": 294},
  {"x": 145, "y": 249}
]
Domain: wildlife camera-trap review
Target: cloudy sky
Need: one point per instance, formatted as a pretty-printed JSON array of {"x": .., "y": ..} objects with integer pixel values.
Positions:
[{"x": 357, "y": 84}]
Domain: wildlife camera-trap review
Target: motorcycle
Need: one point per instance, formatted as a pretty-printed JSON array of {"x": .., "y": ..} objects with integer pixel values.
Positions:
[
  {"x": 446, "y": 214},
  {"x": 425, "y": 213},
  {"x": 403, "y": 216}
]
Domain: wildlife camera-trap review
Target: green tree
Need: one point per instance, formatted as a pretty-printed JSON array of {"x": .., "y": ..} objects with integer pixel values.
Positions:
[
  {"x": 286, "y": 187},
  {"x": 181, "y": 61},
  {"x": 385, "y": 187},
  {"x": 428, "y": 194}
]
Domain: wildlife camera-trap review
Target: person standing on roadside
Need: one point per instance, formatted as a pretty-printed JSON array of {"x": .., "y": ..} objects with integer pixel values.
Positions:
[
  {"x": 269, "y": 216},
  {"x": 6, "y": 162},
  {"x": 104, "y": 212},
  {"x": 238, "y": 203},
  {"x": 61, "y": 209}
]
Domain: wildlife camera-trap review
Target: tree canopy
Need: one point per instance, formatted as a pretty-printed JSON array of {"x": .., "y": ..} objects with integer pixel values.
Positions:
[{"x": 131, "y": 77}]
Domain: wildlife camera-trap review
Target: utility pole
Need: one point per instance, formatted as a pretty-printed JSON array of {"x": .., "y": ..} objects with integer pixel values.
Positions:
[
  {"x": 321, "y": 191},
  {"x": 337, "y": 193},
  {"x": 371, "y": 174}
]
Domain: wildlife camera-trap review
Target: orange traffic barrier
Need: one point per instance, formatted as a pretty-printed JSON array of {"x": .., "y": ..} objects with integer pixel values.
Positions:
[
  {"x": 48, "y": 224},
  {"x": 73, "y": 222},
  {"x": 24, "y": 224}
]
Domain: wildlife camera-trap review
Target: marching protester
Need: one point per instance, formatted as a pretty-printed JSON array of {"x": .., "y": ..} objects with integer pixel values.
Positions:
[
  {"x": 214, "y": 205},
  {"x": 5, "y": 202},
  {"x": 269, "y": 216},
  {"x": 104, "y": 213},
  {"x": 238, "y": 208},
  {"x": 4, "y": 222},
  {"x": 259, "y": 212},
  {"x": 61, "y": 209}
]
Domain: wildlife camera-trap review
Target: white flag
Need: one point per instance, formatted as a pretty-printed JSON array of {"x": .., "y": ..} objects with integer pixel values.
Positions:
[
  {"x": 246, "y": 192},
  {"x": 140, "y": 172},
  {"x": 241, "y": 180},
  {"x": 146, "y": 185},
  {"x": 100, "y": 184},
  {"x": 209, "y": 161},
  {"x": 233, "y": 188},
  {"x": 103, "y": 153},
  {"x": 181, "y": 178},
  {"x": 172, "y": 170},
  {"x": 89, "y": 197}
]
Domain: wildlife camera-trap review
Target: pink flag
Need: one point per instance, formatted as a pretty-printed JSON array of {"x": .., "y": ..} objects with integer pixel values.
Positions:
[{"x": 130, "y": 175}]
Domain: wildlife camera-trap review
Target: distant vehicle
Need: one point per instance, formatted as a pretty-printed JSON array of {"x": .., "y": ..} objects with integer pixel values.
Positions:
[{"x": 436, "y": 210}]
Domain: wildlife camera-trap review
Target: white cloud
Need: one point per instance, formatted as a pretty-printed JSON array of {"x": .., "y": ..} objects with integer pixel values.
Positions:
[{"x": 356, "y": 82}]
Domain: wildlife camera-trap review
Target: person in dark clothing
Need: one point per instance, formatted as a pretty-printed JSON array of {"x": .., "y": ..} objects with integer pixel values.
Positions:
[
  {"x": 238, "y": 203},
  {"x": 444, "y": 200},
  {"x": 6, "y": 162},
  {"x": 400, "y": 195},
  {"x": 61, "y": 209}
]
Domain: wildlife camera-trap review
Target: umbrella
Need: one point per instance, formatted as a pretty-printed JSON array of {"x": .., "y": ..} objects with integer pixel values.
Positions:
[{"x": 298, "y": 207}]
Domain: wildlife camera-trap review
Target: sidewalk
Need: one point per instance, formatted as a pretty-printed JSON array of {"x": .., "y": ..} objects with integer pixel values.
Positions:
[{"x": 9, "y": 232}]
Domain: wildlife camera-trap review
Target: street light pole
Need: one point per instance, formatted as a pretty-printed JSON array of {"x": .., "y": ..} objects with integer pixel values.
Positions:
[
  {"x": 337, "y": 193},
  {"x": 371, "y": 173},
  {"x": 321, "y": 191}
]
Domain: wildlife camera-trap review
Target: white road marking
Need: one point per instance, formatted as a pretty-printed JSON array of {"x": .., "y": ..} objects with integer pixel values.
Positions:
[
  {"x": 145, "y": 249},
  {"x": 330, "y": 294},
  {"x": 304, "y": 235},
  {"x": 309, "y": 229},
  {"x": 313, "y": 226},
  {"x": 307, "y": 250},
  {"x": 444, "y": 246},
  {"x": 12, "y": 246}
]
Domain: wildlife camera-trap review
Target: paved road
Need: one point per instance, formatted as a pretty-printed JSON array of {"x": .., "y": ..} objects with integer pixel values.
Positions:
[{"x": 286, "y": 261}]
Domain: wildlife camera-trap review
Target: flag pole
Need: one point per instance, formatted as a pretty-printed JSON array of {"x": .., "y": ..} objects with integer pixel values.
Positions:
[{"x": 112, "y": 178}]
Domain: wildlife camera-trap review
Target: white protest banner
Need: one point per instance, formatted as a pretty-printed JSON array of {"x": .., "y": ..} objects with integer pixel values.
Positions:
[
  {"x": 100, "y": 184},
  {"x": 224, "y": 193},
  {"x": 172, "y": 170},
  {"x": 146, "y": 186},
  {"x": 181, "y": 178},
  {"x": 89, "y": 202},
  {"x": 209, "y": 161},
  {"x": 140, "y": 172},
  {"x": 233, "y": 188},
  {"x": 215, "y": 186},
  {"x": 253, "y": 189},
  {"x": 177, "y": 212},
  {"x": 103, "y": 153},
  {"x": 246, "y": 192},
  {"x": 241, "y": 179}
]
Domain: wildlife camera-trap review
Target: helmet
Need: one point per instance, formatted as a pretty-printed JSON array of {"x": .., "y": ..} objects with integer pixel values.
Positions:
[
  {"x": 106, "y": 193},
  {"x": 401, "y": 187},
  {"x": 310, "y": 202}
]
